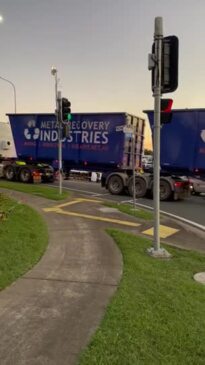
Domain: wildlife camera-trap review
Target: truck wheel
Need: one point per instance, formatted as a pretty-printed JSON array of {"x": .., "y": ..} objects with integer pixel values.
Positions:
[
  {"x": 25, "y": 175},
  {"x": 115, "y": 185},
  {"x": 140, "y": 187},
  {"x": 9, "y": 173},
  {"x": 165, "y": 190}
]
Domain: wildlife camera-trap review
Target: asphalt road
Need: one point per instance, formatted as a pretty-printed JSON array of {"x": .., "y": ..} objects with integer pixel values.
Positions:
[{"x": 192, "y": 208}]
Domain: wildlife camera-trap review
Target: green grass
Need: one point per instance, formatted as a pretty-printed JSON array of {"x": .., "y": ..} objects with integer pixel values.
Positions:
[
  {"x": 128, "y": 209},
  {"x": 23, "y": 239},
  {"x": 39, "y": 190},
  {"x": 158, "y": 313}
]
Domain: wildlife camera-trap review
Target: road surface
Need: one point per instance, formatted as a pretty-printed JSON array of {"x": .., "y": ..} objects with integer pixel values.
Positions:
[{"x": 192, "y": 209}]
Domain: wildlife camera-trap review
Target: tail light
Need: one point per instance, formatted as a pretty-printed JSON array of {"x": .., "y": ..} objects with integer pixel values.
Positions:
[{"x": 179, "y": 184}]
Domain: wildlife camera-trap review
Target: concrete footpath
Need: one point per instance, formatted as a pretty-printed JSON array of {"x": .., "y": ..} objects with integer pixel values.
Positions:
[{"x": 49, "y": 315}]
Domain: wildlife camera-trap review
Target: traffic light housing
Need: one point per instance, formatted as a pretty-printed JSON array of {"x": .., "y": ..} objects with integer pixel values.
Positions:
[
  {"x": 169, "y": 64},
  {"x": 170, "y": 56},
  {"x": 66, "y": 117},
  {"x": 166, "y": 110},
  {"x": 65, "y": 130},
  {"x": 66, "y": 109}
]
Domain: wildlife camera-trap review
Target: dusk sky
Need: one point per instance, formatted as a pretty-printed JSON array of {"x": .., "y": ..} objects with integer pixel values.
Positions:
[{"x": 100, "y": 48}]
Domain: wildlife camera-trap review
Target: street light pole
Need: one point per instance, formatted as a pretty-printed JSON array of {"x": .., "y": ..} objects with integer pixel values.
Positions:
[{"x": 14, "y": 89}]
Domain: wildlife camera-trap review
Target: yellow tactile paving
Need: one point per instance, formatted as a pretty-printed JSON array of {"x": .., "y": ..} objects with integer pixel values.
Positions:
[
  {"x": 102, "y": 219},
  {"x": 58, "y": 209},
  {"x": 164, "y": 231}
]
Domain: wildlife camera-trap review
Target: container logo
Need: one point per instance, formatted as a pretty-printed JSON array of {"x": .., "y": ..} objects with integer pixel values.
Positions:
[
  {"x": 203, "y": 135},
  {"x": 31, "y": 132}
]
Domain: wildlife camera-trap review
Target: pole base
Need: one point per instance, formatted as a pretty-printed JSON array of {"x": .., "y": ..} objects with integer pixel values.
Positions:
[{"x": 161, "y": 253}]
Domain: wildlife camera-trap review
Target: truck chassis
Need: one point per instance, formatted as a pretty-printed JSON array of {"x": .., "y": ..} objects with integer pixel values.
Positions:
[
  {"x": 26, "y": 172},
  {"x": 171, "y": 187}
]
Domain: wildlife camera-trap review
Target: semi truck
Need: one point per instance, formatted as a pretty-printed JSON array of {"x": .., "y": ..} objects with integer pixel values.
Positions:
[{"x": 110, "y": 143}]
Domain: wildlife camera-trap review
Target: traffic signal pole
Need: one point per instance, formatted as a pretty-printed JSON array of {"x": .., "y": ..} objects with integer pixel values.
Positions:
[
  {"x": 158, "y": 36},
  {"x": 59, "y": 122},
  {"x": 156, "y": 251},
  {"x": 134, "y": 165},
  {"x": 58, "y": 113}
]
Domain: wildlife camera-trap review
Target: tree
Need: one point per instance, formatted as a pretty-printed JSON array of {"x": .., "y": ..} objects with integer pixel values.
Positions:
[{"x": 148, "y": 152}]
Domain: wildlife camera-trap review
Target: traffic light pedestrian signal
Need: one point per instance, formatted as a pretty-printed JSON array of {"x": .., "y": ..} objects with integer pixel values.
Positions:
[
  {"x": 166, "y": 110},
  {"x": 66, "y": 109}
]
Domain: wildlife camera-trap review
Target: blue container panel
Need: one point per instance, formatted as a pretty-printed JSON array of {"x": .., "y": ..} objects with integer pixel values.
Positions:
[
  {"x": 25, "y": 133},
  {"x": 181, "y": 144},
  {"x": 94, "y": 138},
  {"x": 200, "y": 145}
]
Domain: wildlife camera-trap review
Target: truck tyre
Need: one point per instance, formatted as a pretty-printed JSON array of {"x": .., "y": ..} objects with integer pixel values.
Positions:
[
  {"x": 25, "y": 175},
  {"x": 165, "y": 190},
  {"x": 140, "y": 187},
  {"x": 9, "y": 173},
  {"x": 115, "y": 185}
]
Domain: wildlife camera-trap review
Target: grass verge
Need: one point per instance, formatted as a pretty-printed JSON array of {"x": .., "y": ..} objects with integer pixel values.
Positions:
[
  {"x": 157, "y": 315},
  {"x": 128, "y": 209},
  {"x": 23, "y": 239},
  {"x": 39, "y": 190}
]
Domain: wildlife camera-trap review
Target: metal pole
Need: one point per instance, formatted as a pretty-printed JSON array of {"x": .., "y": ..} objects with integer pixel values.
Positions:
[
  {"x": 133, "y": 168},
  {"x": 158, "y": 36},
  {"x": 155, "y": 62},
  {"x": 14, "y": 89},
  {"x": 54, "y": 72},
  {"x": 59, "y": 141}
]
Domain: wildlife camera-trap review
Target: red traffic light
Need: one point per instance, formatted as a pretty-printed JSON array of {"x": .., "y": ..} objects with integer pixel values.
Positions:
[
  {"x": 166, "y": 105},
  {"x": 166, "y": 110}
]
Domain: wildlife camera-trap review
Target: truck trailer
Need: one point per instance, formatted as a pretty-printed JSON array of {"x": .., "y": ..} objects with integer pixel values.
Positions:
[
  {"x": 183, "y": 142},
  {"x": 97, "y": 141},
  {"x": 183, "y": 146},
  {"x": 110, "y": 143}
]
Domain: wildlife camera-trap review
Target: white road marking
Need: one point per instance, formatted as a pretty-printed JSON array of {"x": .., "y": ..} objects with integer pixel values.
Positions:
[
  {"x": 80, "y": 191},
  {"x": 191, "y": 223},
  {"x": 127, "y": 201},
  {"x": 197, "y": 225},
  {"x": 194, "y": 224}
]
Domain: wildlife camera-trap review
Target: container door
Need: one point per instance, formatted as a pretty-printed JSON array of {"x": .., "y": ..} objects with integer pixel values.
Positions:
[{"x": 134, "y": 124}]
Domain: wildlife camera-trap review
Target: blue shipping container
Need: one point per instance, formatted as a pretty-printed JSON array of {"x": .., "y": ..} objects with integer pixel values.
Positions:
[
  {"x": 95, "y": 138},
  {"x": 182, "y": 140}
]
